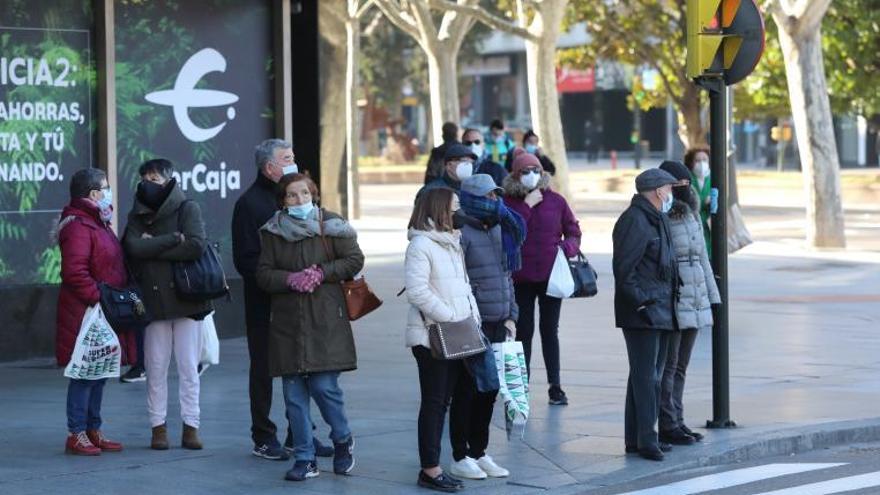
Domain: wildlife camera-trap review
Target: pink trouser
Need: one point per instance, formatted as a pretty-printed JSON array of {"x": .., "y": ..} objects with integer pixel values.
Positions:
[{"x": 183, "y": 336}]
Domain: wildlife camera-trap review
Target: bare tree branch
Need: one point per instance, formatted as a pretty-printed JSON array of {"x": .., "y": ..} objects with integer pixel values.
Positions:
[
  {"x": 364, "y": 9},
  {"x": 809, "y": 14},
  {"x": 424, "y": 21},
  {"x": 395, "y": 13},
  {"x": 486, "y": 18}
]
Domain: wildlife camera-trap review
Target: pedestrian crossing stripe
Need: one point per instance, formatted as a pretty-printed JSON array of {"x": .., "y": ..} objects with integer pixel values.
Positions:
[
  {"x": 832, "y": 486},
  {"x": 735, "y": 477}
]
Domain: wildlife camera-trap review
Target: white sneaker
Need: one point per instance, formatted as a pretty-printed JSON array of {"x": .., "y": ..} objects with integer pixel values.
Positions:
[
  {"x": 467, "y": 468},
  {"x": 488, "y": 466}
]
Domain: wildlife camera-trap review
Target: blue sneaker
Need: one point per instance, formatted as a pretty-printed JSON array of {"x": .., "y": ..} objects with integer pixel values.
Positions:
[
  {"x": 270, "y": 452},
  {"x": 343, "y": 458},
  {"x": 302, "y": 470}
]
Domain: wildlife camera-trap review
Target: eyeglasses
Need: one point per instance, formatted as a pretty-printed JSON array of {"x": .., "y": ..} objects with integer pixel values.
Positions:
[{"x": 468, "y": 143}]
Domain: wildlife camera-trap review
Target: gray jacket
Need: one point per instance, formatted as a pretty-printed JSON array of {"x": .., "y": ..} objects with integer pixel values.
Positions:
[
  {"x": 699, "y": 290},
  {"x": 486, "y": 266}
]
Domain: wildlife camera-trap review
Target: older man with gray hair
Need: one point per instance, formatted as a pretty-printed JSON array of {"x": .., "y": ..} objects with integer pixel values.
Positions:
[{"x": 274, "y": 158}]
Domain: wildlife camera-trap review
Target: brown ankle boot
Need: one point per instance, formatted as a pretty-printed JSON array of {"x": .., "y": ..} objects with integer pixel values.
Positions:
[
  {"x": 160, "y": 438},
  {"x": 191, "y": 438}
]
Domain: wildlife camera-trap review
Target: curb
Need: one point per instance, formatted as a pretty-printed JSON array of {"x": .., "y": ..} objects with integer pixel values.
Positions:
[{"x": 789, "y": 441}]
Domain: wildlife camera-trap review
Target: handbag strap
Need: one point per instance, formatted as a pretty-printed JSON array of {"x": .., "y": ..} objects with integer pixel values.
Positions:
[{"x": 321, "y": 233}]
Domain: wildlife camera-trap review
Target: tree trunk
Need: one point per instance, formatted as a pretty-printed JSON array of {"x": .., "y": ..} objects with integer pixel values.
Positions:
[
  {"x": 690, "y": 122},
  {"x": 333, "y": 103},
  {"x": 543, "y": 97},
  {"x": 443, "y": 78},
  {"x": 811, "y": 112},
  {"x": 352, "y": 120}
]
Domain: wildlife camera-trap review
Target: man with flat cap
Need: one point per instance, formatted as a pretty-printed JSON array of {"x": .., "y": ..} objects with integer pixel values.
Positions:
[
  {"x": 646, "y": 288},
  {"x": 458, "y": 165}
]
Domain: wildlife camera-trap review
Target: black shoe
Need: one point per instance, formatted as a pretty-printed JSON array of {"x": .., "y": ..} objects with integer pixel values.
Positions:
[
  {"x": 557, "y": 396},
  {"x": 631, "y": 450},
  {"x": 343, "y": 458},
  {"x": 134, "y": 374},
  {"x": 665, "y": 447},
  {"x": 442, "y": 483},
  {"x": 652, "y": 454},
  {"x": 677, "y": 437},
  {"x": 270, "y": 452},
  {"x": 302, "y": 470},
  {"x": 697, "y": 436}
]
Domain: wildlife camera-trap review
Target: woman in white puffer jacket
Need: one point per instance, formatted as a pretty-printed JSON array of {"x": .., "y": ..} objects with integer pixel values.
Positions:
[
  {"x": 693, "y": 310},
  {"x": 438, "y": 290}
]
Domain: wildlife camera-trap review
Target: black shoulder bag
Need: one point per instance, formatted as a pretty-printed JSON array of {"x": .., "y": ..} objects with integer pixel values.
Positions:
[
  {"x": 202, "y": 279},
  {"x": 585, "y": 277}
]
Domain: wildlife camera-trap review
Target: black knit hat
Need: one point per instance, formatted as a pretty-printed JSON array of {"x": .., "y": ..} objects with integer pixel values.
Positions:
[{"x": 676, "y": 169}]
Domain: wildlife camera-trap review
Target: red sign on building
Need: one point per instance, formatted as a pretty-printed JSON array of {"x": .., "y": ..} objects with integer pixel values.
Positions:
[{"x": 575, "y": 80}]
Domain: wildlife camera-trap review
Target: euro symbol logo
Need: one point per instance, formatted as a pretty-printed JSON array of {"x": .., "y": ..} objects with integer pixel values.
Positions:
[{"x": 184, "y": 95}]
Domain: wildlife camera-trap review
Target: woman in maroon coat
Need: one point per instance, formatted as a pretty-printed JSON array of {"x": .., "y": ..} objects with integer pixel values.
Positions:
[
  {"x": 550, "y": 225},
  {"x": 90, "y": 254}
]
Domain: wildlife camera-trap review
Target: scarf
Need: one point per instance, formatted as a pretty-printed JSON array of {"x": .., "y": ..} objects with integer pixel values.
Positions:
[
  {"x": 492, "y": 212},
  {"x": 294, "y": 230},
  {"x": 153, "y": 195}
]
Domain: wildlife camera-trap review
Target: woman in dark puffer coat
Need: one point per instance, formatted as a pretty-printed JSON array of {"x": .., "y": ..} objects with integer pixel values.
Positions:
[{"x": 90, "y": 254}]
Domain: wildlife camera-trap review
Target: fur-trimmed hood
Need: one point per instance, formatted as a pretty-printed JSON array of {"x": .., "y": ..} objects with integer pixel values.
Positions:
[{"x": 515, "y": 189}]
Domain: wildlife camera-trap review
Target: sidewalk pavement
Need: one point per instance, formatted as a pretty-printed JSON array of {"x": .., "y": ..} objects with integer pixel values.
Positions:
[{"x": 804, "y": 355}]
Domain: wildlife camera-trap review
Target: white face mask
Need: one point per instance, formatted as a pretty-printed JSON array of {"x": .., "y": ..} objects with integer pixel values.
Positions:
[
  {"x": 530, "y": 179},
  {"x": 290, "y": 169},
  {"x": 703, "y": 169},
  {"x": 477, "y": 149},
  {"x": 464, "y": 170}
]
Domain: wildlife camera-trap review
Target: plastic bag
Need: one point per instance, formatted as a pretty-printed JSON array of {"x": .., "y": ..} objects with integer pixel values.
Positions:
[
  {"x": 514, "y": 380},
  {"x": 97, "y": 353},
  {"x": 561, "y": 283},
  {"x": 210, "y": 343}
]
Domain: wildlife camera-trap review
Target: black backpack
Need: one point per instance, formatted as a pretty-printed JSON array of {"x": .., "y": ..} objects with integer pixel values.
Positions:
[{"x": 202, "y": 279}]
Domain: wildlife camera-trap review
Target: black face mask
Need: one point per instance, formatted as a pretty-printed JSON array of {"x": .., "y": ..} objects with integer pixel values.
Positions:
[
  {"x": 152, "y": 194},
  {"x": 684, "y": 194}
]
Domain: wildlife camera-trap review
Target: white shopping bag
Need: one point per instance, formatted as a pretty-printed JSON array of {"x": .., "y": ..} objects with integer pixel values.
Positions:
[
  {"x": 210, "y": 343},
  {"x": 514, "y": 379},
  {"x": 561, "y": 283},
  {"x": 97, "y": 353}
]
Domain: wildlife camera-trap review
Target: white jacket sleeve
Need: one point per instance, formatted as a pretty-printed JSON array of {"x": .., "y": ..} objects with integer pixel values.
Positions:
[{"x": 419, "y": 292}]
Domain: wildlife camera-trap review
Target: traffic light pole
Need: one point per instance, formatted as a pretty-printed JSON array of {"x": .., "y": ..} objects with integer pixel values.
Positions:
[{"x": 720, "y": 180}]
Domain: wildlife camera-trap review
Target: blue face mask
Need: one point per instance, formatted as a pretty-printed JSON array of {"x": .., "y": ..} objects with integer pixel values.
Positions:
[
  {"x": 107, "y": 200},
  {"x": 667, "y": 204},
  {"x": 301, "y": 211},
  {"x": 532, "y": 148}
]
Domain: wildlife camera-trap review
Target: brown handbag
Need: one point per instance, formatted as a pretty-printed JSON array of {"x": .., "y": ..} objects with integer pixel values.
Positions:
[
  {"x": 455, "y": 339},
  {"x": 359, "y": 299}
]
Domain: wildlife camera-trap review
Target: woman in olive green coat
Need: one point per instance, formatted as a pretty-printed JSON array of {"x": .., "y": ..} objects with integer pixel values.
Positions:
[
  {"x": 310, "y": 339},
  {"x": 163, "y": 227}
]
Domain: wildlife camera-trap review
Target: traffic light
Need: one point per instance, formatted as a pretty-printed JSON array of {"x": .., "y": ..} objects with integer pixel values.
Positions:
[{"x": 725, "y": 38}]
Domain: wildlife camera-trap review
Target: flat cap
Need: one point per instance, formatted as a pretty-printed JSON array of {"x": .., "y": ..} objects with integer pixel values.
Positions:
[{"x": 653, "y": 178}]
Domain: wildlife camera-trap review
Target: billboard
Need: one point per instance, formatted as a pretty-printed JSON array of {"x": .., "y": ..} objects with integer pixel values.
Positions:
[
  {"x": 194, "y": 84},
  {"x": 47, "y": 129}
]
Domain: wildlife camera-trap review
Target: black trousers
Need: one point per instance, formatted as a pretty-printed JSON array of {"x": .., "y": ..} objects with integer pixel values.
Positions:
[
  {"x": 681, "y": 344},
  {"x": 646, "y": 349},
  {"x": 471, "y": 411},
  {"x": 263, "y": 430},
  {"x": 437, "y": 379},
  {"x": 550, "y": 307}
]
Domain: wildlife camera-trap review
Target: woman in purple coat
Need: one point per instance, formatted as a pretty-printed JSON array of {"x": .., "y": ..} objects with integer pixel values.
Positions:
[{"x": 550, "y": 225}]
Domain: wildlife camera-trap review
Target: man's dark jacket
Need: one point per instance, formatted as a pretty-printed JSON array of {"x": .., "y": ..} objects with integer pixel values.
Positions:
[
  {"x": 645, "y": 271},
  {"x": 434, "y": 168},
  {"x": 252, "y": 210}
]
